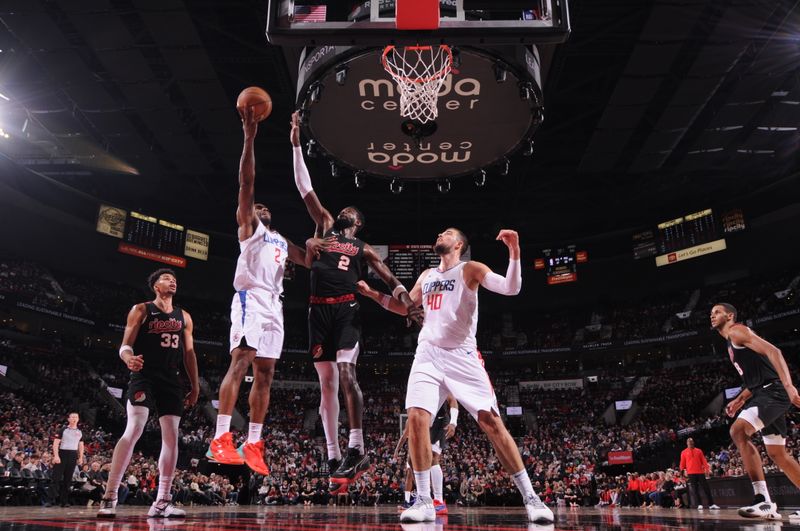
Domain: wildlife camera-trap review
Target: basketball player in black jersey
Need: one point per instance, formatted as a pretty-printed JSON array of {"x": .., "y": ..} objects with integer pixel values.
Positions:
[
  {"x": 158, "y": 336},
  {"x": 767, "y": 394},
  {"x": 334, "y": 326}
]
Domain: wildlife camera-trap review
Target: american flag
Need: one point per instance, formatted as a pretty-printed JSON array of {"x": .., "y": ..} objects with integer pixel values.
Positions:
[{"x": 309, "y": 13}]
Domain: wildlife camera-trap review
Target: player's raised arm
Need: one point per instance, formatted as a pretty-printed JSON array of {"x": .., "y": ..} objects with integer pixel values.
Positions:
[
  {"x": 245, "y": 212},
  {"x": 743, "y": 336},
  {"x": 478, "y": 273},
  {"x": 190, "y": 360},
  {"x": 136, "y": 317},
  {"x": 302, "y": 179}
]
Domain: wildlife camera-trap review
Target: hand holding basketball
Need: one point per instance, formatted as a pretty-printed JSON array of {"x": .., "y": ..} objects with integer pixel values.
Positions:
[{"x": 257, "y": 99}]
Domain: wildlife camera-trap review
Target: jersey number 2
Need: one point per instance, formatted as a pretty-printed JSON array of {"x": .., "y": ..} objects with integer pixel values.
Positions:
[
  {"x": 344, "y": 262},
  {"x": 170, "y": 340},
  {"x": 277, "y": 256}
]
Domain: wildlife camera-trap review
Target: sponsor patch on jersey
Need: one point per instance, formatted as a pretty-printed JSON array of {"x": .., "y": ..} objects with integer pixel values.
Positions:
[
  {"x": 139, "y": 396},
  {"x": 316, "y": 351}
]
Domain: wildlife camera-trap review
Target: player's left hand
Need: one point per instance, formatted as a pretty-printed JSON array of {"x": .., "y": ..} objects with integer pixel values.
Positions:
[
  {"x": 415, "y": 315},
  {"x": 249, "y": 122},
  {"x": 509, "y": 237},
  {"x": 449, "y": 431},
  {"x": 794, "y": 397},
  {"x": 294, "y": 134},
  {"x": 81, "y": 461},
  {"x": 191, "y": 398}
]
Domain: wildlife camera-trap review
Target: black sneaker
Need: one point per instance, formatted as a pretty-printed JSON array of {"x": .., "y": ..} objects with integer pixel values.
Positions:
[
  {"x": 353, "y": 465},
  {"x": 333, "y": 466}
]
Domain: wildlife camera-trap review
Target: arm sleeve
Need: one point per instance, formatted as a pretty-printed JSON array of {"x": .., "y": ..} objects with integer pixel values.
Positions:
[
  {"x": 301, "y": 177},
  {"x": 511, "y": 284}
]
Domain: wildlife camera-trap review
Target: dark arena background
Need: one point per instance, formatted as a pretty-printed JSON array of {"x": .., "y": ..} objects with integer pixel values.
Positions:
[{"x": 646, "y": 151}]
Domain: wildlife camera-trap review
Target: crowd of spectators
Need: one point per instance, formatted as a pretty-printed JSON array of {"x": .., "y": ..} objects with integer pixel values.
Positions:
[{"x": 566, "y": 433}]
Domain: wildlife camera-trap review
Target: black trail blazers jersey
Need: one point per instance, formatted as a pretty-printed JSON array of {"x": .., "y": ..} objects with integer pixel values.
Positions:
[
  {"x": 755, "y": 369},
  {"x": 337, "y": 270},
  {"x": 160, "y": 342}
]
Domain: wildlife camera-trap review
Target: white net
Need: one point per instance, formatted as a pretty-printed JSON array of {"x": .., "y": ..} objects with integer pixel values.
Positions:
[{"x": 419, "y": 72}]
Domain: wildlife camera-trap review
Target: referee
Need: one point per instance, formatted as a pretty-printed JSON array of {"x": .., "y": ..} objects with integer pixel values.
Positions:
[{"x": 67, "y": 452}]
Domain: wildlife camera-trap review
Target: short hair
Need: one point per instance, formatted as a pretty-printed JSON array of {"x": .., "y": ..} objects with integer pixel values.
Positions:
[
  {"x": 155, "y": 275},
  {"x": 360, "y": 214},
  {"x": 73, "y": 413},
  {"x": 728, "y": 308},
  {"x": 464, "y": 240}
]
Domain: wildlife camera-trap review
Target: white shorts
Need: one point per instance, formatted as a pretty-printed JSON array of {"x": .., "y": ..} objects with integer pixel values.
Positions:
[
  {"x": 437, "y": 372},
  {"x": 257, "y": 317}
]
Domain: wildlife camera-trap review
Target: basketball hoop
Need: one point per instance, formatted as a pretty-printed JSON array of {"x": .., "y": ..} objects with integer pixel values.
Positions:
[{"x": 419, "y": 72}]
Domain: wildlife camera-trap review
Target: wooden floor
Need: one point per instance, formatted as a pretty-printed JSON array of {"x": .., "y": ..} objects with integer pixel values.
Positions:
[{"x": 245, "y": 518}]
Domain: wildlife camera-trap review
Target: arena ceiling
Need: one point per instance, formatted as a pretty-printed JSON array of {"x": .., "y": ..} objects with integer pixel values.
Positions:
[{"x": 653, "y": 108}]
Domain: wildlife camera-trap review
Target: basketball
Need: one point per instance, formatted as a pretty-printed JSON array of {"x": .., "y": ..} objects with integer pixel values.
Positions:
[{"x": 257, "y": 98}]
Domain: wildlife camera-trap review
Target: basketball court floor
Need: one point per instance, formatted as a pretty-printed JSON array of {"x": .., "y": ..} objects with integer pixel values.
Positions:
[{"x": 378, "y": 518}]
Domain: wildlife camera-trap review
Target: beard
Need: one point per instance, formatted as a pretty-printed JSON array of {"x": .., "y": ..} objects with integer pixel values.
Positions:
[
  {"x": 440, "y": 249},
  {"x": 342, "y": 223}
]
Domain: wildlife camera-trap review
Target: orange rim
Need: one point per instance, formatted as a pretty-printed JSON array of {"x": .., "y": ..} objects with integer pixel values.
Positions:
[{"x": 442, "y": 72}]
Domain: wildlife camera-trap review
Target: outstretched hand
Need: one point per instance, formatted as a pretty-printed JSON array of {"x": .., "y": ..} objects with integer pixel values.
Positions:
[
  {"x": 318, "y": 245},
  {"x": 294, "y": 134},
  {"x": 509, "y": 237},
  {"x": 249, "y": 121}
]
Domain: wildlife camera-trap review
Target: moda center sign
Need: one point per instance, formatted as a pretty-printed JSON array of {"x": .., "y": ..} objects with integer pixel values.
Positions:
[{"x": 488, "y": 107}]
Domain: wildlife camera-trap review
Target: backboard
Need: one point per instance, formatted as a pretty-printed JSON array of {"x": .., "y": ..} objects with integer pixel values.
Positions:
[{"x": 379, "y": 23}]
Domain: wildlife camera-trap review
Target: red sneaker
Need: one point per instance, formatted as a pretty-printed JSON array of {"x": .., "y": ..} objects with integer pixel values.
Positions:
[
  {"x": 222, "y": 451},
  {"x": 254, "y": 457},
  {"x": 440, "y": 507}
]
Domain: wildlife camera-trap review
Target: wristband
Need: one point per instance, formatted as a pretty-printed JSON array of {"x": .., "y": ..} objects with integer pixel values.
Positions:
[
  {"x": 454, "y": 416},
  {"x": 385, "y": 301},
  {"x": 398, "y": 290},
  {"x": 123, "y": 348}
]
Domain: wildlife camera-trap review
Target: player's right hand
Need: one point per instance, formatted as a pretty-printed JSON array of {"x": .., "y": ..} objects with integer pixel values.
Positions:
[
  {"x": 294, "y": 134},
  {"x": 135, "y": 363},
  {"x": 318, "y": 245},
  {"x": 56, "y": 460},
  {"x": 733, "y": 406}
]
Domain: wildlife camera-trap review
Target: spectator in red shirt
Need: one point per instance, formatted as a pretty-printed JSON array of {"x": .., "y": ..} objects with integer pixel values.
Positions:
[
  {"x": 634, "y": 497},
  {"x": 694, "y": 463}
]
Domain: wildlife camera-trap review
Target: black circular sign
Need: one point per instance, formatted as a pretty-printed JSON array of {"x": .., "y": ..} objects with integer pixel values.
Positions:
[{"x": 488, "y": 106}]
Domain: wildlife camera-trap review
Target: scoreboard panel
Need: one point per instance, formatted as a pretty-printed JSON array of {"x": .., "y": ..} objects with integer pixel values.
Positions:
[
  {"x": 153, "y": 233},
  {"x": 687, "y": 231}
]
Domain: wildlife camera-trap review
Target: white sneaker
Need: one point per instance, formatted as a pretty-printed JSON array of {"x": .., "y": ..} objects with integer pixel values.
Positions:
[
  {"x": 794, "y": 516},
  {"x": 699, "y": 507},
  {"x": 108, "y": 508},
  {"x": 538, "y": 512},
  {"x": 165, "y": 509},
  {"x": 421, "y": 511},
  {"x": 760, "y": 508},
  {"x": 713, "y": 506}
]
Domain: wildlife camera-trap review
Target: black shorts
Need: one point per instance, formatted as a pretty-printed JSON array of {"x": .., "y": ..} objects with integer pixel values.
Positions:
[
  {"x": 768, "y": 406},
  {"x": 333, "y": 327},
  {"x": 164, "y": 393}
]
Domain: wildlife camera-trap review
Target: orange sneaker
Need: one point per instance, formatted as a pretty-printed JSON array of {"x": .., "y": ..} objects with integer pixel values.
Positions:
[
  {"x": 253, "y": 454},
  {"x": 222, "y": 451}
]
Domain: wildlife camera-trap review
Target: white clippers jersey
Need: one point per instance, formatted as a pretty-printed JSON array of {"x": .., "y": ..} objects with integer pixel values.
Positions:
[
  {"x": 261, "y": 262},
  {"x": 451, "y": 309}
]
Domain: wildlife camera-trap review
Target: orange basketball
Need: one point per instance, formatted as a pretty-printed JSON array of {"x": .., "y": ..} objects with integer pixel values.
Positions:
[{"x": 257, "y": 98}]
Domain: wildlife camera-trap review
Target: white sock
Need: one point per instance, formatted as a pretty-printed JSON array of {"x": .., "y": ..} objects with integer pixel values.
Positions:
[
  {"x": 329, "y": 406},
  {"x": 407, "y": 495},
  {"x": 169, "y": 455},
  {"x": 357, "y": 440},
  {"x": 437, "y": 480},
  {"x": 760, "y": 487},
  {"x": 423, "y": 481},
  {"x": 223, "y": 425},
  {"x": 254, "y": 433},
  {"x": 137, "y": 418},
  {"x": 523, "y": 483}
]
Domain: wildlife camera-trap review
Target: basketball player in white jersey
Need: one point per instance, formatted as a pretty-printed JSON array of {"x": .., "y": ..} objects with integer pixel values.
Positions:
[
  {"x": 447, "y": 362},
  {"x": 256, "y": 314}
]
